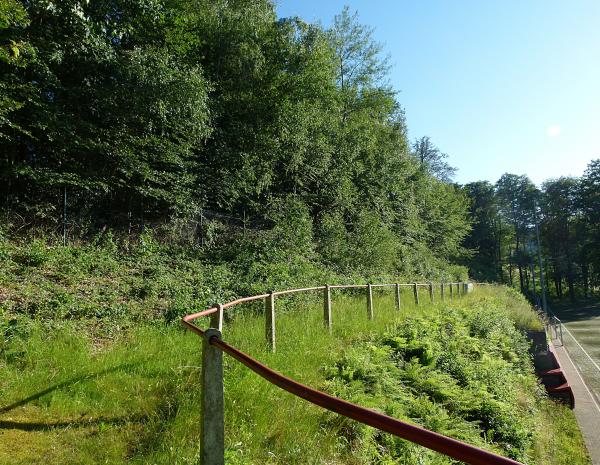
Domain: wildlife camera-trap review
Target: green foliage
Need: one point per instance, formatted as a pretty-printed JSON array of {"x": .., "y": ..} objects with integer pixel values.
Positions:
[
  {"x": 504, "y": 239},
  {"x": 464, "y": 373},
  {"x": 132, "y": 396},
  {"x": 122, "y": 115}
]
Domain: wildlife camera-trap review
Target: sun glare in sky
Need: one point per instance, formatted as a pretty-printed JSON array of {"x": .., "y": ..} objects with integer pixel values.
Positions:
[{"x": 553, "y": 130}]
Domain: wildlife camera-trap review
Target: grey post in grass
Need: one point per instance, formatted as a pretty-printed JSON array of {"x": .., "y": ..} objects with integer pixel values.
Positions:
[
  {"x": 270, "y": 320},
  {"x": 216, "y": 319},
  {"x": 431, "y": 292},
  {"x": 451, "y": 286},
  {"x": 212, "y": 434},
  {"x": 442, "y": 291},
  {"x": 397, "y": 296},
  {"x": 327, "y": 307},
  {"x": 370, "y": 301},
  {"x": 416, "y": 292}
]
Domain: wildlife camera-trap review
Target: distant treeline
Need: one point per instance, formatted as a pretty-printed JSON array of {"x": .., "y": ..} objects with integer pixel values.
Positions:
[
  {"x": 504, "y": 242},
  {"x": 117, "y": 114}
]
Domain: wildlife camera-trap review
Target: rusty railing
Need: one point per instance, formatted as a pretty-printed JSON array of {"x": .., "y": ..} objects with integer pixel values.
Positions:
[{"x": 212, "y": 442}]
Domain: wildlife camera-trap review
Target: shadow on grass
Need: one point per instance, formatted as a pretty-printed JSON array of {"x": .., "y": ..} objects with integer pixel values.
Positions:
[
  {"x": 82, "y": 423},
  {"x": 577, "y": 311},
  {"x": 37, "y": 395}
]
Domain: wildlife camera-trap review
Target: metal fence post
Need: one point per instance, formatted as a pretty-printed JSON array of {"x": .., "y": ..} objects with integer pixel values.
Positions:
[
  {"x": 397, "y": 296},
  {"x": 370, "y": 301},
  {"x": 416, "y": 292},
  {"x": 431, "y": 292},
  {"x": 327, "y": 307},
  {"x": 442, "y": 291},
  {"x": 216, "y": 319},
  {"x": 270, "y": 320},
  {"x": 561, "y": 335},
  {"x": 212, "y": 435}
]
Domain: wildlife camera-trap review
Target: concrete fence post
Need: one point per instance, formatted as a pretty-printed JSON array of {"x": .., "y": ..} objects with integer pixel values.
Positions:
[
  {"x": 270, "y": 320},
  {"x": 442, "y": 291},
  {"x": 327, "y": 307},
  {"x": 216, "y": 319},
  {"x": 431, "y": 292},
  {"x": 370, "y": 301},
  {"x": 212, "y": 427},
  {"x": 397, "y": 296},
  {"x": 416, "y": 292}
]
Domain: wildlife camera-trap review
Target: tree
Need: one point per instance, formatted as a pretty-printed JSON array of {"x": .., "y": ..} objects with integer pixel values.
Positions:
[
  {"x": 490, "y": 235},
  {"x": 558, "y": 204},
  {"x": 589, "y": 202},
  {"x": 115, "y": 116},
  {"x": 432, "y": 160},
  {"x": 517, "y": 195},
  {"x": 359, "y": 62}
]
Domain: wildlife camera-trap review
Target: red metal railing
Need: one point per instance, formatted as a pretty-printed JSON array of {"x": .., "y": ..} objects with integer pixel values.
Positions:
[{"x": 419, "y": 435}]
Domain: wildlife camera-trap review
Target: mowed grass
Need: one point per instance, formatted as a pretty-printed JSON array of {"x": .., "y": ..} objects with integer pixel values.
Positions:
[
  {"x": 68, "y": 398},
  {"x": 582, "y": 319}
]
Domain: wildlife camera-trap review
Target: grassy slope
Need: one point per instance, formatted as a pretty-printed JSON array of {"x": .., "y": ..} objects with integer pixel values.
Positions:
[
  {"x": 136, "y": 399},
  {"x": 91, "y": 371}
]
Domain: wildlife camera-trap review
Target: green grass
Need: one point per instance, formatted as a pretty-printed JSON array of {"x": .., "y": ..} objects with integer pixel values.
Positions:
[
  {"x": 71, "y": 397},
  {"x": 582, "y": 319}
]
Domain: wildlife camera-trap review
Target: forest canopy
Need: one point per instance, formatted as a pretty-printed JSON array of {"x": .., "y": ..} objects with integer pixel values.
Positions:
[
  {"x": 218, "y": 114},
  {"x": 566, "y": 214},
  {"x": 220, "y": 124}
]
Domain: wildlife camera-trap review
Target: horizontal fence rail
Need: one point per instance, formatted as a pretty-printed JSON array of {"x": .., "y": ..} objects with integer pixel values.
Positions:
[{"x": 212, "y": 421}]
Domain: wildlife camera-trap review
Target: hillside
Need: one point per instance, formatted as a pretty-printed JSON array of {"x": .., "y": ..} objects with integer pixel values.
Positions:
[{"x": 104, "y": 385}]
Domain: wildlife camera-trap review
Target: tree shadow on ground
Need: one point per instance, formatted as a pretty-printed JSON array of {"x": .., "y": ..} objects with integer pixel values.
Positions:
[
  {"x": 81, "y": 423},
  {"x": 577, "y": 311},
  {"x": 87, "y": 377}
]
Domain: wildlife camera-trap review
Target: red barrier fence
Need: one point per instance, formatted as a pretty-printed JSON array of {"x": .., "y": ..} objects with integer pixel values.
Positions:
[{"x": 212, "y": 440}]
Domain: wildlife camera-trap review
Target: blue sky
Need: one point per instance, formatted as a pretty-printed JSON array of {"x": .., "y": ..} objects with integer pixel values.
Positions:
[{"x": 501, "y": 86}]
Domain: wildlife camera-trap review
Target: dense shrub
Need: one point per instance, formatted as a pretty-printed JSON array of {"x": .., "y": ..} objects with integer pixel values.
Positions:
[{"x": 461, "y": 373}]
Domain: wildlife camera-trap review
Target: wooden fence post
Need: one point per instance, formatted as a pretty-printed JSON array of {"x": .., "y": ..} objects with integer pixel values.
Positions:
[
  {"x": 431, "y": 292},
  {"x": 216, "y": 319},
  {"x": 397, "y": 296},
  {"x": 451, "y": 286},
  {"x": 416, "y": 292},
  {"x": 327, "y": 307},
  {"x": 270, "y": 321},
  {"x": 212, "y": 428},
  {"x": 442, "y": 291},
  {"x": 370, "y": 301}
]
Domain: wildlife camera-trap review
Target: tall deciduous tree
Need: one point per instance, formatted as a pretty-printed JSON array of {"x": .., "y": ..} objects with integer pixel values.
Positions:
[
  {"x": 431, "y": 159},
  {"x": 517, "y": 195}
]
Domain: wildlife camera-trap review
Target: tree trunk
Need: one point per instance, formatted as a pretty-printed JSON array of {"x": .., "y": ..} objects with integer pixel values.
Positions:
[
  {"x": 510, "y": 268},
  {"x": 560, "y": 291},
  {"x": 570, "y": 282},
  {"x": 585, "y": 277},
  {"x": 519, "y": 265}
]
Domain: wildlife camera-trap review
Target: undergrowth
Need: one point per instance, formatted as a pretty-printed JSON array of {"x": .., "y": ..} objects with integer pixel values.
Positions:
[{"x": 94, "y": 367}]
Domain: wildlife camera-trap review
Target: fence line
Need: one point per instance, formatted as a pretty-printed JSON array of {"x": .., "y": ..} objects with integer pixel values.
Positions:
[{"x": 212, "y": 421}]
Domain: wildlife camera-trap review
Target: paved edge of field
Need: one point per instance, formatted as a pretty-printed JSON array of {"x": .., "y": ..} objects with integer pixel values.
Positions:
[{"x": 587, "y": 407}]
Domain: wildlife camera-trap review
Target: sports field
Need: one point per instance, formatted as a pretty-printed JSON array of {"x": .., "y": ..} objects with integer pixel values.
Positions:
[{"x": 582, "y": 339}]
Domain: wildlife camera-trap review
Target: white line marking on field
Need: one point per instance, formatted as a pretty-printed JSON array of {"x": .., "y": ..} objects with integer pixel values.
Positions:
[
  {"x": 582, "y": 380},
  {"x": 581, "y": 347}
]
